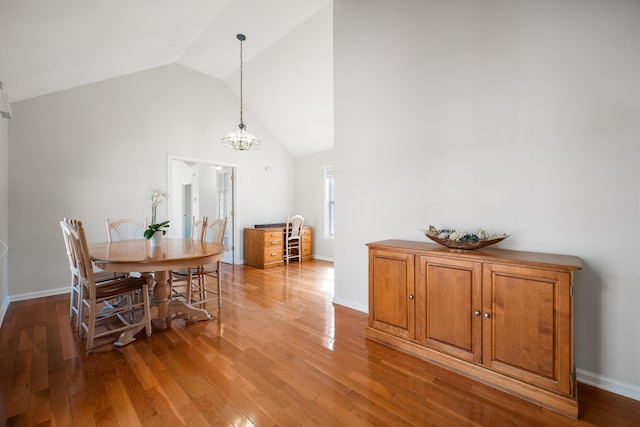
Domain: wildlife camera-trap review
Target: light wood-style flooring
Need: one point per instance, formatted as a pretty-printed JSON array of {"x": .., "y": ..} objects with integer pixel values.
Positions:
[{"x": 278, "y": 352}]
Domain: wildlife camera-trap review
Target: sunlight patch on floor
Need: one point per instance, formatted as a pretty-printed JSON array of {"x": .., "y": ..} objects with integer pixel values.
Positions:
[
  {"x": 330, "y": 326},
  {"x": 327, "y": 284}
]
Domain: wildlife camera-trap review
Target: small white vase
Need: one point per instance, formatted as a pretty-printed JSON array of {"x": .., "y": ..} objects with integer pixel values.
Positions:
[{"x": 156, "y": 239}]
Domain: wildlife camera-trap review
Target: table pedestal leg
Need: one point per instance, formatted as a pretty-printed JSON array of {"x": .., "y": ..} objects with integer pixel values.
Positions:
[
  {"x": 127, "y": 337},
  {"x": 168, "y": 309},
  {"x": 182, "y": 308},
  {"x": 161, "y": 293}
]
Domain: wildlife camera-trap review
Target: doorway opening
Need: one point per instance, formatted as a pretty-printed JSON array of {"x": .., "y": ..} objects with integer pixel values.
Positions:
[
  {"x": 202, "y": 188},
  {"x": 186, "y": 210}
]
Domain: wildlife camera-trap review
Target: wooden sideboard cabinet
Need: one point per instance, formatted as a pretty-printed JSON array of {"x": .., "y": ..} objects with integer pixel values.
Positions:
[
  {"x": 504, "y": 318},
  {"x": 264, "y": 247}
]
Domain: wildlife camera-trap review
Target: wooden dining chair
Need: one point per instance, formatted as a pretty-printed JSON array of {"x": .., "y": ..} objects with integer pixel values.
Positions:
[
  {"x": 97, "y": 318},
  {"x": 75, "y": 291},
  {"x": 177, "y": 277},
  {"x": 293, "y": 238},
  {"x": 198, "y": 293},
  {"x": 125, "y": 229}
]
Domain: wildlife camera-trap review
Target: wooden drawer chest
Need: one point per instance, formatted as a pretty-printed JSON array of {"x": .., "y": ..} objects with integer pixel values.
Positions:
[
  {"x": 264, "y": 247},
  {"x": 305, "y": 244}
]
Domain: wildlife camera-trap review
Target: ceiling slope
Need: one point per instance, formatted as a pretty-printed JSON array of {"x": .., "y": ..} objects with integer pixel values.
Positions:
[{"x": 47, "y": 46}]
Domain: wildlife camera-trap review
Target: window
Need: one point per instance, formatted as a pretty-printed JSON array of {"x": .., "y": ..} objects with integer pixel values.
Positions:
[{"x": 329, "y": 204}]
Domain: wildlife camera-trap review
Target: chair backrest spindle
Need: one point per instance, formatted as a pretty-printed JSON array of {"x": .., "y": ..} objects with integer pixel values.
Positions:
[
  {"x": 199, "y": 228},
  {"x": 216, "y": 230},
  {"x": 125, "y": 229},
  {"x": 294, "y": 226},
  {"x": 75, "y": 232}
]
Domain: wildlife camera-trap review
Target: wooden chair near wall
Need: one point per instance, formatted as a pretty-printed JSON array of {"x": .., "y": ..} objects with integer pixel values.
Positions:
[
  {"x": 125, "y": 229},
  {"x": 199, "y": 228},
  {"x": 293, "y": 238},
  {"x": 93, "y": 295},
  {"x": 75, "y": 291}
]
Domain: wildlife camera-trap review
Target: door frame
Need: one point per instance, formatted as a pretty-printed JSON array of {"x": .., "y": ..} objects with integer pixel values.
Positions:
[
  {"x": 230, "y": 179},
  {"x": 185, "y": 214},
  {"x": 234, "y": 246}
]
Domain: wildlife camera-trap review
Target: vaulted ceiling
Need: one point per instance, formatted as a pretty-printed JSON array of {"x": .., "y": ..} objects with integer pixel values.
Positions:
[{"x": 48, "y": 46}]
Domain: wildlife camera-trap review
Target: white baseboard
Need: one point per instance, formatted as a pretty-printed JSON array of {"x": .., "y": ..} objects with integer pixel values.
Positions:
[
  {"x": 323, "y": 258},
  {"x": 622, "y": 388},
  {"x": 350, "y": 304},
  {"x": 29, "y": 295},
  {"x": 39, "y": 294}
]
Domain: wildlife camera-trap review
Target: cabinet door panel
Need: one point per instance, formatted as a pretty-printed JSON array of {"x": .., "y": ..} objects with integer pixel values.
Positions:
[
  {"x": 528, "y": 333},
  {"x": 391, "y": 285},
  {"x": 448, "y": 294}
]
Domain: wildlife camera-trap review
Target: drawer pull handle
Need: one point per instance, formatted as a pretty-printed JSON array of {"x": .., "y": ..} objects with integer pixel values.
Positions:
[
  {"x": 476, "y": 313},
  {"x": 410, "y": 296},
  {"x": 487, "y": 315}
]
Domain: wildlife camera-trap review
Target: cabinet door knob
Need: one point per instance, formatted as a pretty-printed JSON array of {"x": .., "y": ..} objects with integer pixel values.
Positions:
[
  {"x": 476, "y": 313},
  {"x": 487, "y": 315},
  {"x": 410, "y": 296}
]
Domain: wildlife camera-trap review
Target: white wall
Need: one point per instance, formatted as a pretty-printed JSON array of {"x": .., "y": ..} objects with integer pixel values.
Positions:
[
  {"x": 94, "y": 151},
  {"x": 517, "y": 116},
  {"x": 182, "y": 174},
  {"x": 4, "y": 216},
  {"x": 309, "y": 198},
  {"x": 208, "y": 186}
]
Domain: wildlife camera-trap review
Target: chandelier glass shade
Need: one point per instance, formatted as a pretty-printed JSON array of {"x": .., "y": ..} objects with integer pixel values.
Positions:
[{"x": 241, "y": 139}]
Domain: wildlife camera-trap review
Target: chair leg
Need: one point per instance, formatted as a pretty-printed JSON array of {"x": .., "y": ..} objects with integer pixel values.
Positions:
[
  {"x": 202, "y": 286},
  {"x": 80, "y": 313},
  {"x": 75, "y": 303},
  {"x": 189, "y": 285},
  {"x": 146, "y": 309},
  {"x": 219, "y": 280},
  {"x": 71, "y": 300},
  {"x": 91, "y": 321}
]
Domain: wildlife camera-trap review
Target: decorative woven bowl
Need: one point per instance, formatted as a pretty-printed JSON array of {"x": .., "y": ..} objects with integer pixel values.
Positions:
[{"x": 453, "y": 244}]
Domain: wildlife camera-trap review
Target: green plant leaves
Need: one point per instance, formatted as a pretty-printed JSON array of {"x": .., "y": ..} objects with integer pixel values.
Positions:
[{"x": 148, "y": 233}]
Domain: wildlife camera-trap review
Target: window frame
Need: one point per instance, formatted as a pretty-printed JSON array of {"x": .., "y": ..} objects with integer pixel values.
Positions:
[{"x": 329, "y": 202}]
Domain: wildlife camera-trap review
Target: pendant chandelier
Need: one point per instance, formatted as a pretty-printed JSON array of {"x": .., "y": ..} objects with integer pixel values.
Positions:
[{"x": 241, "y": 139}]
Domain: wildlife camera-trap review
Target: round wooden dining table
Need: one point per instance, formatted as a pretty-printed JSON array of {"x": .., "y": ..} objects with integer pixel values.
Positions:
[{"x": 126, "y": 256}]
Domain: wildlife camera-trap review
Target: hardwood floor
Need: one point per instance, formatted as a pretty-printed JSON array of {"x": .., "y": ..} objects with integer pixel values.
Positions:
[{"x": 277, "y": 353}]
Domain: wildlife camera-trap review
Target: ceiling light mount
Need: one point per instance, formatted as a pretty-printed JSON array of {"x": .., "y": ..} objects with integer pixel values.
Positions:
[{"x": 241, "y": 139}]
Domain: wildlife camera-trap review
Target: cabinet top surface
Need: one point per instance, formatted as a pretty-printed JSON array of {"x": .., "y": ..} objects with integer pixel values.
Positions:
[
  {"x": 269, "y": 229},
  {"x": 544, "y": 260}
]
